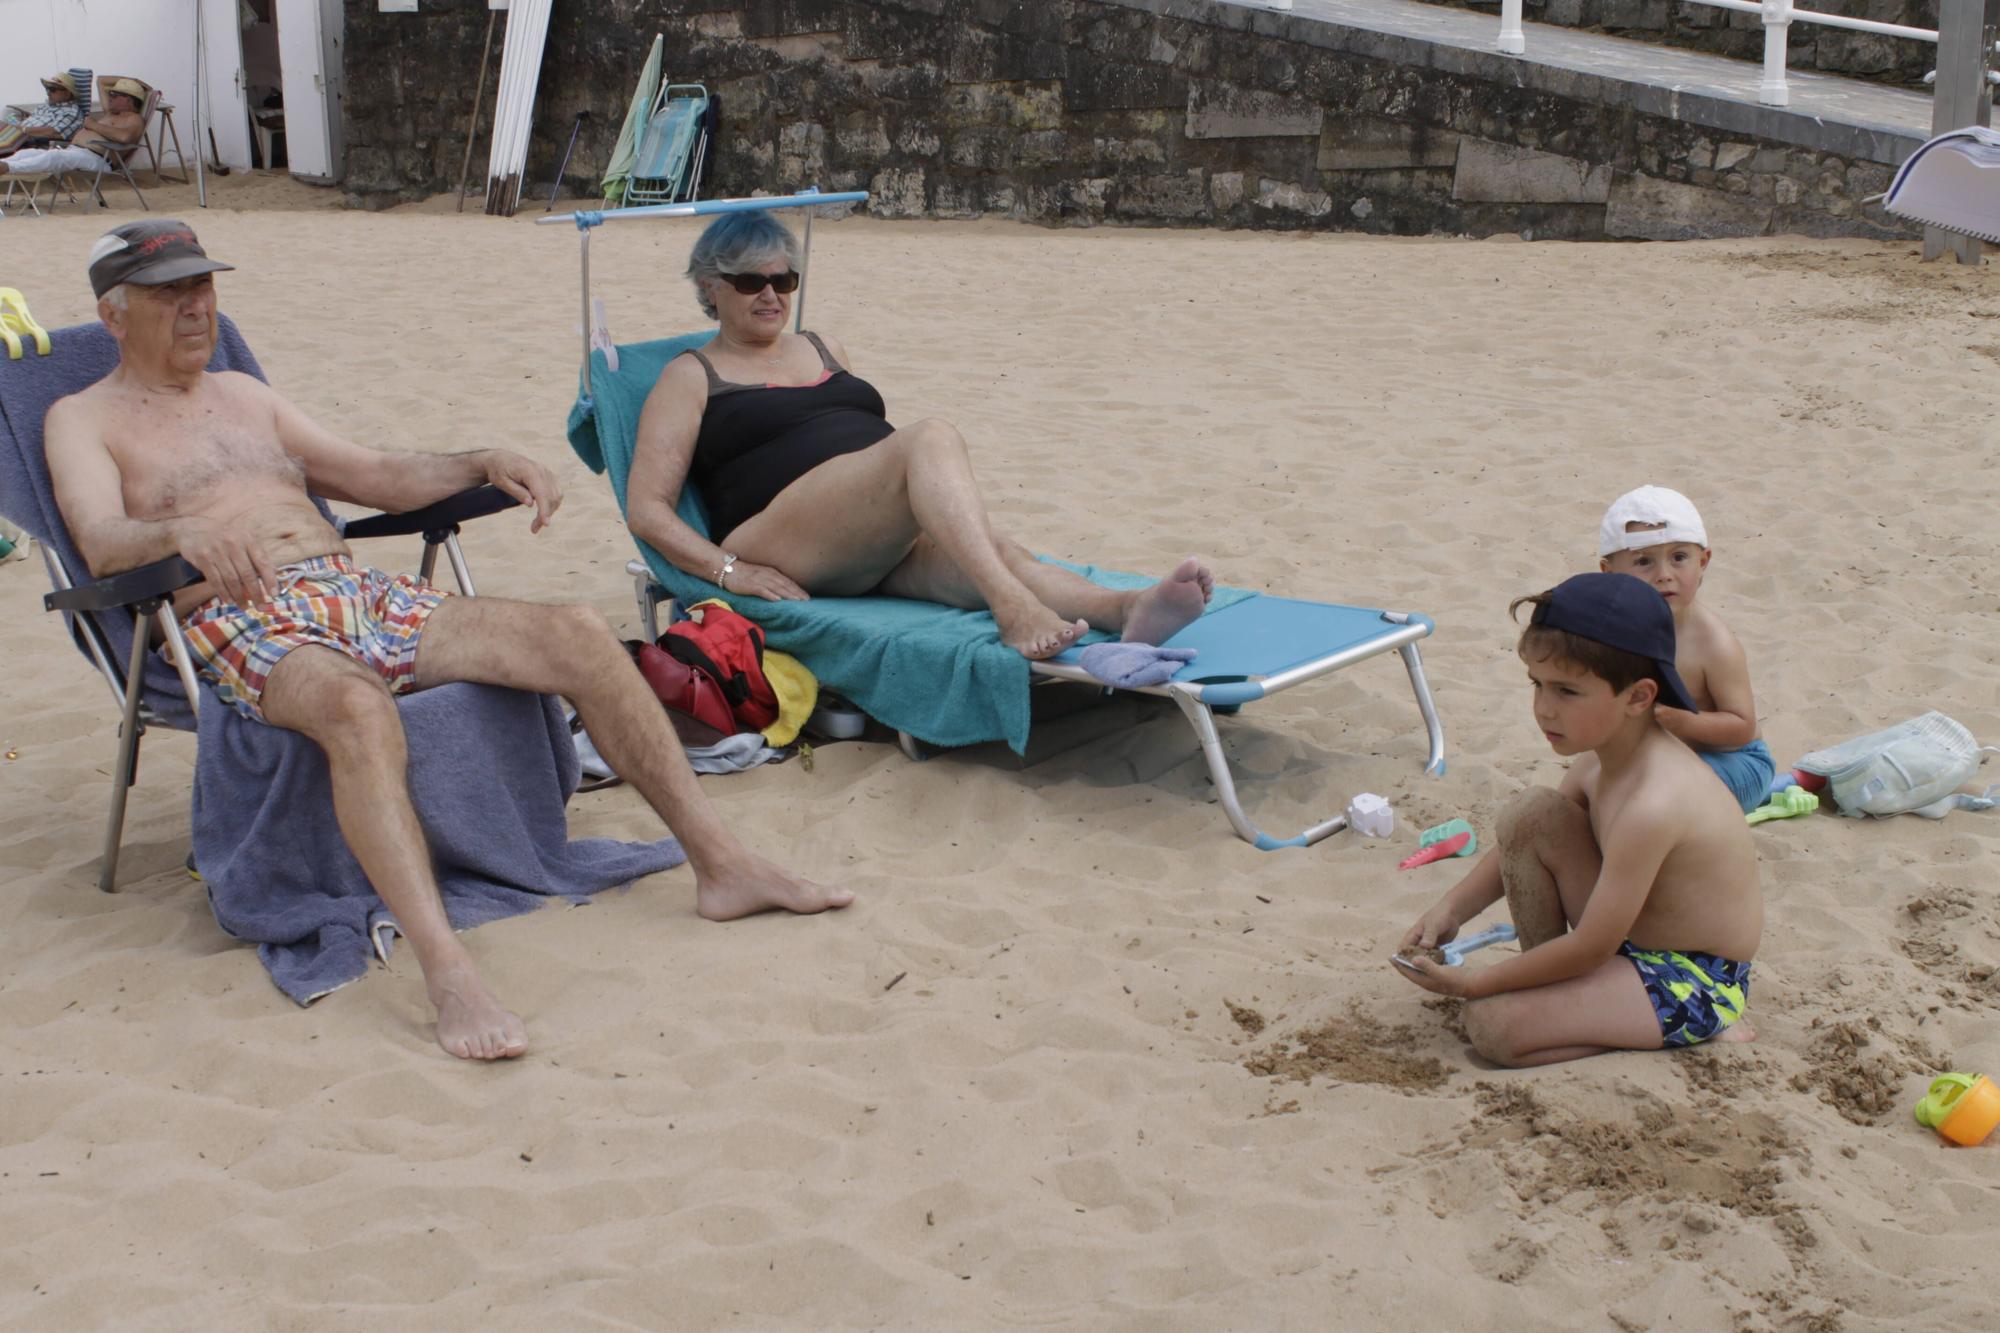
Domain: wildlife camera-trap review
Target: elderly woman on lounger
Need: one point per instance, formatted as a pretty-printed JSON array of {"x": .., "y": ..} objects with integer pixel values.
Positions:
[{"x": 811, "y": 492}]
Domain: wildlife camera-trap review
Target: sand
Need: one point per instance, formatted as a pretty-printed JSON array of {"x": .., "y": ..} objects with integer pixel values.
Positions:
[{"x": 1135, "y": 1074}]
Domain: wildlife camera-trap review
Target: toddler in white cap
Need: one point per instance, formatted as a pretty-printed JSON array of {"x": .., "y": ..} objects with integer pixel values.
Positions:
[{"x": 1657, "y": 535}]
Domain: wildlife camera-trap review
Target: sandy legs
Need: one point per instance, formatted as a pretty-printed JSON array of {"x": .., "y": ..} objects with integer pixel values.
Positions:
[
  {"x": 348, "y": 711},
  {"x": 904, "y": 517},
  {"x": 1549, "y": 862},
  {"x": 570, "y": 651}
]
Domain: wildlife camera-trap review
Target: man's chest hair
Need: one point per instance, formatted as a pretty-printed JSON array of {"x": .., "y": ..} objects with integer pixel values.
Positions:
[{"x": 179, "y": 456}]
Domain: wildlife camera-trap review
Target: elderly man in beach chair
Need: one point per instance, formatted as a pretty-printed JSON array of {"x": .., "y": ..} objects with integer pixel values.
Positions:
[
  {"x": 752, "y": 463},
  {"x": 53, "y": 122},
  {"x": 162, "y": 459}
]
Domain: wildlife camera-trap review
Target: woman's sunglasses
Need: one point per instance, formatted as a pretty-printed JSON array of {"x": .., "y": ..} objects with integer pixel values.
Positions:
[{"x": 749, "y": 284}]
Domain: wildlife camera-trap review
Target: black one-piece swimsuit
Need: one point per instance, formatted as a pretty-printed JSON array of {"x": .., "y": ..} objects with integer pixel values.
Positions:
[{"x": 757, "y": 439}]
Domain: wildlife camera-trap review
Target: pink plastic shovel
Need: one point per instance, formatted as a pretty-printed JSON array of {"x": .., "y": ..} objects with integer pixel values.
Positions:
[{"x": 1437, "y": 851}]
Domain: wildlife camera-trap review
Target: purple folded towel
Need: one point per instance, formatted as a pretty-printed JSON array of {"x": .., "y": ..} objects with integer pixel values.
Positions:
[{"x": 1131, "y": 666}]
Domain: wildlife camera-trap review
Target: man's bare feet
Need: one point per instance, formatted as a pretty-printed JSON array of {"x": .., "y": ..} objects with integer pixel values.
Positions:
[
  {"x": 750, "y": 884},
  {"x": 471, "y": 1023},
  {"x": 1740, "y": 1030},
  {"x": 1035, "y": 632},
  {"x": 1158, "y": 613}
]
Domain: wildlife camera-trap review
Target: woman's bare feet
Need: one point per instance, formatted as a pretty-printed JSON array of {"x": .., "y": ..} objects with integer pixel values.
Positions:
[
  {"x": 1035, "y": 632},
  {"x": 1158, "y": 613},
  {"x": 749, "y": 884},
  {"x": 471, "y": 1023}
]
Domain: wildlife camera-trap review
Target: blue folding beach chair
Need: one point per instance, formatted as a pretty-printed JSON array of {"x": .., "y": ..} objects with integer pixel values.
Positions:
[
  {"x": 941, "y": 676},
  {"x": 111, "y": 619},
  {"x": 668, "y": 164}
]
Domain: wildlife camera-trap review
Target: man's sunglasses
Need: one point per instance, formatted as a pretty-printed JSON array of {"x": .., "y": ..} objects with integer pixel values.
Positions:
[{"x": 749, "y": 284}]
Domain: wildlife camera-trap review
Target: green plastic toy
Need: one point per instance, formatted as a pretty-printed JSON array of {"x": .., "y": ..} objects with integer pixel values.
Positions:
[
  {"x": 1794, "y": 800},
  {"x": 1451, "y": 829}
]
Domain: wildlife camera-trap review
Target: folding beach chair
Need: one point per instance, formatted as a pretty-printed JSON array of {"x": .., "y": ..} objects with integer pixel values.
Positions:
[
  {"x": 667, "y": 168},
  {"x": 113, "y": 619},
  {"x": 31, "y": 196}
]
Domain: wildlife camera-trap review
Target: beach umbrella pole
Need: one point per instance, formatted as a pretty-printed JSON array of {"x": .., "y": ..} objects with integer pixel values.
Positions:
[
  {"x": 200, "y": 49},
  {"x": 805, "y": 262},
  {"x": 586, "y": 310}
]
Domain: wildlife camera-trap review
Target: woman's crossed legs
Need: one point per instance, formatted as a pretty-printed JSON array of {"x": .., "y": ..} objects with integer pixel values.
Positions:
[{"x": 904, "y": 517}]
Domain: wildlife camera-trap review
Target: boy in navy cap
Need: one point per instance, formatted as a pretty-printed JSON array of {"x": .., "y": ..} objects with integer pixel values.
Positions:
[{"x": 1633, "y": 887}]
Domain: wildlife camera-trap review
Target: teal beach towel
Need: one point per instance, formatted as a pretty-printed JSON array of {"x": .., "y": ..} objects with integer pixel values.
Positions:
[{"x": 939, "y": 673}]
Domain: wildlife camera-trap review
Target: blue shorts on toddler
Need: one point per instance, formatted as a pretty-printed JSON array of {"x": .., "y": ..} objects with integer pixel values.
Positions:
[{"x": 1746, "y": 771}]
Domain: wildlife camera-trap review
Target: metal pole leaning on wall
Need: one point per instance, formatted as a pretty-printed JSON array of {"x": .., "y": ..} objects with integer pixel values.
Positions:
[
  {"x": 478, "y": 96},
  {"x": 1966, "y": 34}
]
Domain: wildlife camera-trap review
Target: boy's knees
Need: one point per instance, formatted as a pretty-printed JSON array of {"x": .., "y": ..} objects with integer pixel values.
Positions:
[
  {"x": 1489, "y": 1027},
  {"x": 1535, "y": 813}
]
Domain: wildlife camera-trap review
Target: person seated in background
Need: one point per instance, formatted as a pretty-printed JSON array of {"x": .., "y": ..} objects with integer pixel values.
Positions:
[
  {"x": 811, "y": 492},
  {"x": 1656, "y": 534},
  {"x": 119, "y": 127},
  {"x": 53, "y": 122}
]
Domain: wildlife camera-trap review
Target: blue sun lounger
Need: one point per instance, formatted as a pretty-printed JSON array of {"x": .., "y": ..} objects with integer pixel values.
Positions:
[{"x": 941, "y": 676}]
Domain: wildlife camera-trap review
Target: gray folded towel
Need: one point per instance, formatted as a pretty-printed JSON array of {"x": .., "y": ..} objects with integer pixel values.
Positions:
[{"x": 1133, "y": 665}]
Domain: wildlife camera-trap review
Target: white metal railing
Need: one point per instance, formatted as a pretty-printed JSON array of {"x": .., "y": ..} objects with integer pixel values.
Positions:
[{"x": 1778, "y": 16}]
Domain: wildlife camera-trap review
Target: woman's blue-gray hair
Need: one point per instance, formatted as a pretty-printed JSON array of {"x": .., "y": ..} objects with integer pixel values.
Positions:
[{"x": 736, "y": 243}]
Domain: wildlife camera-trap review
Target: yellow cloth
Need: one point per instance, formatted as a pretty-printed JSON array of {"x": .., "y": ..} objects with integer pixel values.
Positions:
[
  {"x": 798, "y": 694},
  {"x": 796, "y": 687}
]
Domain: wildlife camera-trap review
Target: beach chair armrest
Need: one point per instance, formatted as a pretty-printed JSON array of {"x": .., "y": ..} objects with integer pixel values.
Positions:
[
  {"x": 441, "y": 518},
  {"x": 147, "y": 583}
]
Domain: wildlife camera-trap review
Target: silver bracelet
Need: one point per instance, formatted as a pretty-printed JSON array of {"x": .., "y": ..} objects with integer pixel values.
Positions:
[{"x": 728, "y": 568}]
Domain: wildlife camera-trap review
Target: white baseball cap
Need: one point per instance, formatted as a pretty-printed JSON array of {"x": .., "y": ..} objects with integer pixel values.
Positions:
[{"x": 1652, "y": 506}]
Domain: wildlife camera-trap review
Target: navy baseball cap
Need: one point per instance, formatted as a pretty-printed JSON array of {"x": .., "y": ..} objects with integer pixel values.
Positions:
[
  {"x": 1622, "y": 612},
  {"x": 148, "y": 253}
]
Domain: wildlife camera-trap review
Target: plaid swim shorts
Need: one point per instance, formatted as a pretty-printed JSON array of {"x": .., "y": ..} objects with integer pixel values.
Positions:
[{"x": 374, "y": 618}]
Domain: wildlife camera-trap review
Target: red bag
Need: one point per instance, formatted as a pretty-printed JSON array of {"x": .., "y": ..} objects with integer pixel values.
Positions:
[
  {"x": 729, "y": 650},
  {"x": 695, "y": 704}
]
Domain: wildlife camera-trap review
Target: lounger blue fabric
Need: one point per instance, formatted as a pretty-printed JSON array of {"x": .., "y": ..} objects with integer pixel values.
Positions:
[
  {"x": 490, "y": 769},
  {"x": 938, "y": 673}
]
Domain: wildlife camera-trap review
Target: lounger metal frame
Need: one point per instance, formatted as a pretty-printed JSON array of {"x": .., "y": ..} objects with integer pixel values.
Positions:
[{"x": 1198, "y": 702}]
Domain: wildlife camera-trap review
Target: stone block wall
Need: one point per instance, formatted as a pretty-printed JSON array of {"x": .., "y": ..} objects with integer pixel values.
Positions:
[
  {"x": 1864, "y": 55},
  {"x": 1077, "y": 112}
]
